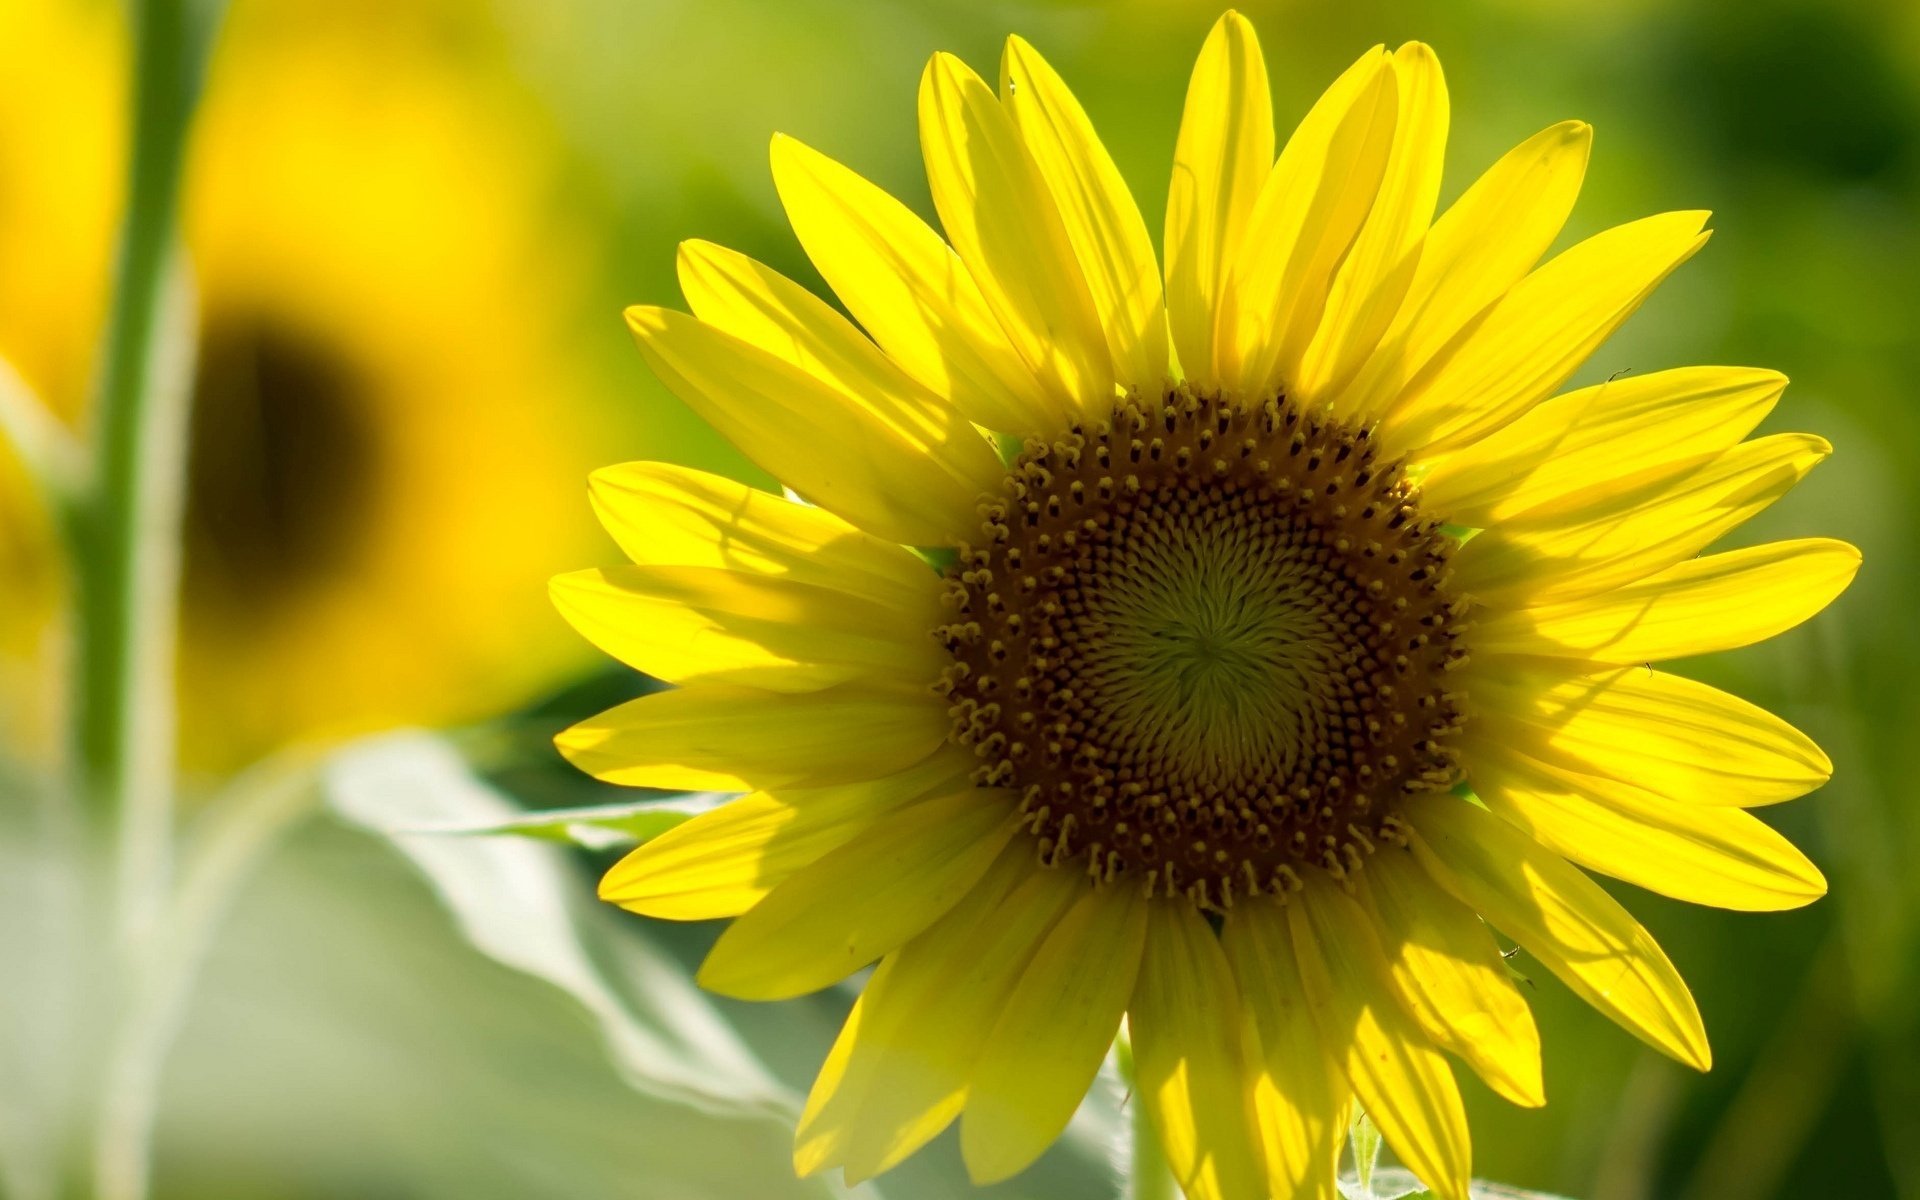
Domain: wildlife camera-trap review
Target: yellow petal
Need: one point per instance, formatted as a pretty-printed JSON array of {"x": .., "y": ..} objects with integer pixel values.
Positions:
[
  {"x": 664, "y": 515},
  {"x": 1109, "y": 239},
  {"x": 1600, "y": 446},
  {"x": 1001, "y": 219},
  {"x": 1682, "y": 740},
  {"x": 1563, "y": 919},
  {"x": 909, "y": 473},
  {"x": 1220, "y": 161},
  {"x": 758, "y": 305},
  {"x": 1309, "y": 212},
  {"x": 1479, "y": 248},
  {"x": 1547, "y": 563},
  {"x": 924, "y": 1023},
  {"x": 1185, "y": 1022},
  {"x": 1449, "y": 967},
  {"x": 725, "y": 738},
  {"x": 909, "y": 290},
  {"x": 1301, "y": 1094},
  {"x": 819, "y": 1144},
  {"x": 685, "y": 623},
  {"x": 1721, "y": 857},
  {"x": 1402, "y": 1081},
  {"x": 1697, "y": 607},
  {"x": 1053, "y": 1032},
  {"x": 721, "y": 863},
  {"x": 862, "y": 900},
  {"x": 1533, "y": 338},
  {"x": 1374, "y": 278}
]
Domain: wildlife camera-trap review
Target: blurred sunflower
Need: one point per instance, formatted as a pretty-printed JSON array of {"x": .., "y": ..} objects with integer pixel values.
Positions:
[
  {"x": 378, "y": 343},
  {"x": 1294, "y": 637}
]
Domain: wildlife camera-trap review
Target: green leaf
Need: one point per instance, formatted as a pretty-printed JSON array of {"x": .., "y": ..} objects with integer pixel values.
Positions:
[
  {"x": 599, "y": 827},
  {"x": 524, "y": 904},
  {"x": 1365, "y": 1138}
]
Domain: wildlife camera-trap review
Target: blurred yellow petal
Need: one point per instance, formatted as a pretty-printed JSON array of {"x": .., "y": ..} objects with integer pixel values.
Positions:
[
  {"x": 1001, "y": 218},
  {"x": 391, "y": 392},
  {"x": 1220, "y": 161},
  {"x": 663, "y": 515},
  {"x": 859, "y": 902},
  {"x": 680, "y": 624},
  {"x": 1697, "y": 607},
  {"x": 925, "y": 1021},
  {"x": 1401, "y": 1080},
  {"x": 909, "y": 290},
  {"x": 724, "y": 738},
  {"x": 1449, "y": 968},
  {"x": 1563, "y": 919},
  {"x": 1301, "y": 1095},
  {"x": 1685, "y": 741},
  {"x": 720, "y": 863},
  {"x": 1721, "y": 857},
  {"x": 1053, "y": 1032},
  {"x": 1637, "y": 536},
  {"x": 1600, "y": 445},
  {"x": 1480, "y": 247},
  {"x": 1310, "y": 210},
  {"x": 1109, "y": 238},
  {"x": 1374, "y": 278},
  {"x": 911, "y": 472},
  {"x": 1537, "y": 335},
  {"x": 1188, "y": 1056}
]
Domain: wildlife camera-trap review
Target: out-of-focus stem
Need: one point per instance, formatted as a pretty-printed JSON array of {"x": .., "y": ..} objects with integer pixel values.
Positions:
[
  {"x": 126, "y": 522},
  {"x": 1148, "y": 1175},
  {"x": 122, "y": 523},
  {"x": 238, "y": 834}
]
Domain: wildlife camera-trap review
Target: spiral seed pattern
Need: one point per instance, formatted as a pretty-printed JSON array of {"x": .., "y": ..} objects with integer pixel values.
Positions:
[{"x": 1208, "y": 645}]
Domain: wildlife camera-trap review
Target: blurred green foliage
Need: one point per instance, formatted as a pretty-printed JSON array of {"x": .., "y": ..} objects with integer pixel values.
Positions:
[{"x": 349, "y": 1043}]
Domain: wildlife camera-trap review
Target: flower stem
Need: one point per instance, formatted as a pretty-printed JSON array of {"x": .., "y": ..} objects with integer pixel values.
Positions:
[
  {"x": 122, "y": 524},
  {"x": 1148, "y": 1175},
  {"x": 244, "y": 826},
  {"x": 126, "y": 527}
]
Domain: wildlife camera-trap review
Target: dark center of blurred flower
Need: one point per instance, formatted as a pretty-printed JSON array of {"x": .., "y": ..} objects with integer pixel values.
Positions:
[
  {"x": 281, "y": 455},
  {"x": 1207, "y": 645}
]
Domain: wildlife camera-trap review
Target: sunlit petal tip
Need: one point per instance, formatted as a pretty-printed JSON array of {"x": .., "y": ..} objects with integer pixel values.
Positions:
[
  {"x": 1235, "y": 22},
  {"x": 1699, "y": 1054},
  {"x": 629, "y": 884},
  {"x": 616, "y": 883},
  {"x": 786, "y": 153},
  {"x": 694, "y": 253},
  {"x": 1573, "y": 132},
  {"x": 808, "y": 1159},
  {"x": 1818, "y": 763},
  {"x": 1815, "y": 881},
  {"x": 945, "y": 70},
  {"x": 646, "y": 321}
]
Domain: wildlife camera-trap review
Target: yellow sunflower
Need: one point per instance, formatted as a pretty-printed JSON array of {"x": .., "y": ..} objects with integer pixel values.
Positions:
[
  {"x": 381, "y": 342},
  {"x": 1292, "y": 638}
]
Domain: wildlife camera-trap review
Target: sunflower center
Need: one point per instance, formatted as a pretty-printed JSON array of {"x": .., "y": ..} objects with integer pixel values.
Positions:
[{"x": 1207, "y": 644}]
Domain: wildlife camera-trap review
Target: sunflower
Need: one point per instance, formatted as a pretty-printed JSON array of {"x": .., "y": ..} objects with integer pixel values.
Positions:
[
  {"x": 1224, "y": 650},
  {"x": 357, "y": 206}
]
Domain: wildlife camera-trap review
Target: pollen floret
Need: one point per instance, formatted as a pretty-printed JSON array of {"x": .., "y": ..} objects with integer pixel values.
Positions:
[{"x": 1208, "y": 644}]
